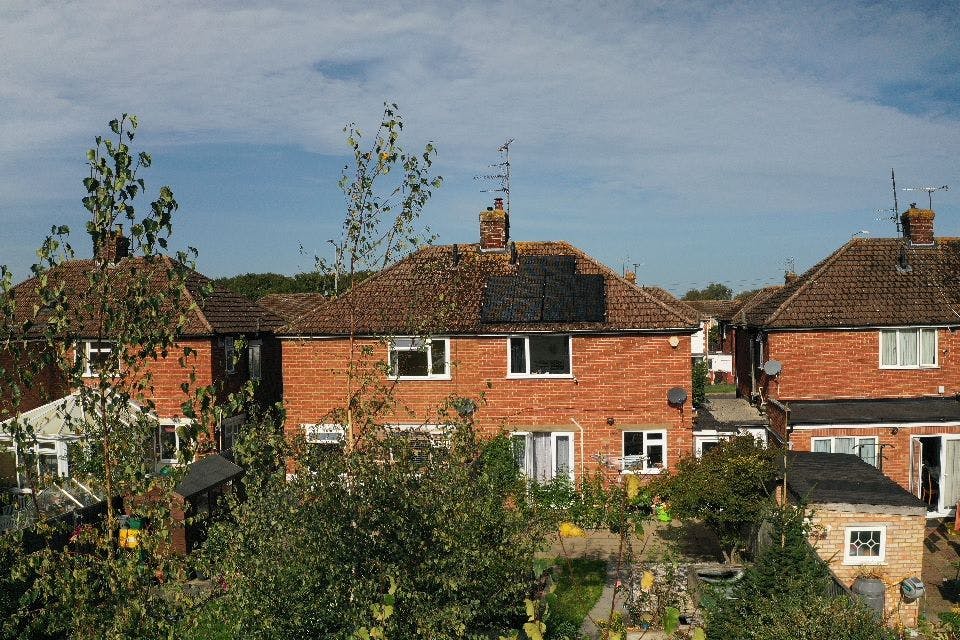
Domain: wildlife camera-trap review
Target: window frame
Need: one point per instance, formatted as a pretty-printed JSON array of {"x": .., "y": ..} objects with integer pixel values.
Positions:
[
  {"x": 86, "y": 348},
  {"x": 176, "y": 423},
  {"x": 860, "y": 560},
  {"x": 313, "y": 431},
  {"x": 526, "y": 356},
  {"x": 528, "y": 453},
  {"x": 896, "y": 331},
  {"x": 230, "y": 355},
  {"x": 428, "y": 349},
  {"x": 643, "y": 457},
  {"x": 857, "y": 438},
  {"x": 255, "y": 345}
]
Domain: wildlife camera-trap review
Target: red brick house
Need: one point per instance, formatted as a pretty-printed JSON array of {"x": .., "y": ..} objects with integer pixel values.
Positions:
[
  {"x": 866, "y": 357},
  {"x": 559, "y": 351},
  {"x": 214, "y": 326}
]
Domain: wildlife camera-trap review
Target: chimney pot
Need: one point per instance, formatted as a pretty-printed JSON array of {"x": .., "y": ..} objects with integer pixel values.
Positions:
[
  {"x": 494, "y": 228},
  {"x": 789, "y": 276},
  {"x": 918, "y": 225},
  {"x": 630, "y": 277},
  {"x": 113, "y": 247}
]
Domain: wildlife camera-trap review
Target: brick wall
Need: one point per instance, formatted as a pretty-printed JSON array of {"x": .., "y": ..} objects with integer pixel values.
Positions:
[
  {"x": 47, "y": 386},
  {"x": 903, "y": 553},
  {"x": 845, "y": 364},
  {"x": 621, "y": 377}
]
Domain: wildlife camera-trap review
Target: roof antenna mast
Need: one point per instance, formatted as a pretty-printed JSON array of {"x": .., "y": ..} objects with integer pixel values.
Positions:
[
  {"x": 930, "y": 191},
  {"x": 503, "y": 174},
  {"x": 895, "y": 212}
]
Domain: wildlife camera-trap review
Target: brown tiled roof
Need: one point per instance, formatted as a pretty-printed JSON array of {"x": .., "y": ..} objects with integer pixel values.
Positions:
[
  {"x": 863, "y": 285},
  {"x": 721, "y": 309},
  {"x": 291, "y": 306},
  {"x": 668, "y": 298},
  {"x": 220, "y": 312},
  {"x": 440, "y": 289}
]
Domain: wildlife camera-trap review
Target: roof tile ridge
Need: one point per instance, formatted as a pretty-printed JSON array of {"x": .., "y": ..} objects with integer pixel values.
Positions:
[
  {"x": 634, "y": 287},
  {"x": 806, "y": 279},
  {"x": 186, "y": 287}
]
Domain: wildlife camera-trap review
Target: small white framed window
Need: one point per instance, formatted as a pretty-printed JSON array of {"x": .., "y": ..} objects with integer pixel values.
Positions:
[
  {"x": 420, "y": 358},
  {"x": 253, "y": 359},
  {"x": 96, "y": 354},
  {"x": 423, "y": 439},
  {"x": 230, "y": 355},
  {"x": 540, "y": 356},
  {"x": 543, "y": 456},
  {"x": 864, "y": 446},
  {"x": 644, "y": 451},
  {"x": 908, "y": 348},
  {"x": 328, "y": 434},
  {"x": 167, "y": 442},
  {"x": 865, "y": 545}
]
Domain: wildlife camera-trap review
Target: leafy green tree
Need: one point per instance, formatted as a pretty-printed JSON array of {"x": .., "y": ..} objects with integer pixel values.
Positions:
[
  {"x": 701, "y": 372},
  {"x": 728, "y": 489},
  {"x": 256, "y": 285},
  {"x": 713, "y": 291},
  {"x": 749, "y": 293},
  {"x": 85, "y": 587}
]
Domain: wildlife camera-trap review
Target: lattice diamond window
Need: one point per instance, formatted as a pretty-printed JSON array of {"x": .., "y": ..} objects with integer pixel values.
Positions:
[{"x": 865, "y": 544}]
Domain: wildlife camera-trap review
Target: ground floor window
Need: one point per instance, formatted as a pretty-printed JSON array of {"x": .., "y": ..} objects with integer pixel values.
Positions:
[
  {"x": 865, "y": 545},
  {"x": 425, "y": 441},
  {"x": 644, "y": 451},
  {"x": 544, "y": 455},
  {"x": 863, "y": 446},
  {"x": 49, "y": 458}
]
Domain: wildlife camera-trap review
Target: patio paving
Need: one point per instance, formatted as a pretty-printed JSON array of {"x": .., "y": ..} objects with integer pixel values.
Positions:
[{"x": 941, "y": 555}]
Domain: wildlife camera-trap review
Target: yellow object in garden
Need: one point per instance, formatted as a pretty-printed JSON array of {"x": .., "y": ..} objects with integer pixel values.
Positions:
[
  {"x": 633, "y": 486},
  {"x": 570, "y": 530},
  {"x": 129, "y": 538},
  {"x": 646, "y": 581}
]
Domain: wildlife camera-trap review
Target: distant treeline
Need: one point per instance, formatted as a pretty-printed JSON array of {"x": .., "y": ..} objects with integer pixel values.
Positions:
[{"x": 257, "y": 285}]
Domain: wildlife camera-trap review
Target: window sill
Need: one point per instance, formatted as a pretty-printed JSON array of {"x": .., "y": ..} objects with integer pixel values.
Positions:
[
  {"x": 853, "y": 562},
  {"x": 421, "y": 378},
  {"x": 889, "y": 367},
  {"x": 642, "y": 472}
]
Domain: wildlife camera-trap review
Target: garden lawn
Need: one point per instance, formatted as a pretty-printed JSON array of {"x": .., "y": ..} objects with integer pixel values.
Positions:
[
  {"x": 723, "y": 387},
  {"x": 579, "y": 585}
]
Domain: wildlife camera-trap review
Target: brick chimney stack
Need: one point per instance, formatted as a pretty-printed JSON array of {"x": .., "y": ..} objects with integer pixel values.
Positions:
[
  {"x": 789, "y": 276},
  {"x": 113, "y": 247},
  {"x": 630, "y": 277},
  {"x": 918, "y": 225},
  {"x": 494, "y": 227}
]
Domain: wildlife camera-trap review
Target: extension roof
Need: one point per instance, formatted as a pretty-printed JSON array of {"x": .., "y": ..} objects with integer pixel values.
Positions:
[
  {"x": 863, "y": 284},
  {"x": 843, "y": 478},
  {"x": 459, "y": 289},
  {"x": 207, "y": 473},
  {"x": 220, "y": 312},
  {"x": 926, "y": 410},
  {"x": 291, "y": 306}
]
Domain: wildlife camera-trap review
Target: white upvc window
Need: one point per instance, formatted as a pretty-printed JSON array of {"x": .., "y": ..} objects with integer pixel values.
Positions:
[
  {"x": 420, "y": 358},
  {"x": 910, "y": 348},
  {"x": 95, "y": 354},
  {"x": 540, "y": 356},
  {"x": 423, "y": 439},
  {"x": 644, "y": 451},
  {"x": 865, "y": 544},
  {"x": 230, "y": 355},
  {"x": 254, "y": 348},
  {"x": 864, "y": 446},
  {"x": 327, "y": 434},
  {"x": 544, "y": 456},
  {"x": 167, "y": 443}
]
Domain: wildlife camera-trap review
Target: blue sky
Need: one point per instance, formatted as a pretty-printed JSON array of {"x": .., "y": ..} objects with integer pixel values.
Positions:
[{"x": 702, "y": 142}]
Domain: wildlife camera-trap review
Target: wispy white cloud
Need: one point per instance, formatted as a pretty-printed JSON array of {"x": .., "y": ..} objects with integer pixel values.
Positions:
[{"x": 755, "y": 106}]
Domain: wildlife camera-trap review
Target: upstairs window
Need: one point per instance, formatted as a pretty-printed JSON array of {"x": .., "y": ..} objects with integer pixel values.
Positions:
[
  {"x": 644, "y": 451},
  {"x": 908, "y": 348},
  {"x": 865, "y": 447},
  {"x": 167, "y": 443},
  {"x": 540, "y": 356},
  {"x": 420, "y": 358},
  {"x": 327, "y": 434},
  {"x": 96, "y": 355}
]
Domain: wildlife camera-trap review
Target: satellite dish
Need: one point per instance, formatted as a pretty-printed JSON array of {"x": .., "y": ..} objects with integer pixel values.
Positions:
[
  {"x": 677, "y": 396},
  {"x": 772, "y": 368}
]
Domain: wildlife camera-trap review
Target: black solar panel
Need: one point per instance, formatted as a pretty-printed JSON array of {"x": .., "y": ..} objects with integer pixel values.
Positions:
[{"x": 548, "y": 289}]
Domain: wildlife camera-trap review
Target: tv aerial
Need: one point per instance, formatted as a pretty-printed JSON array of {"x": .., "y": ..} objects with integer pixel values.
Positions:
[
  {"x": 503, "y": 175},
  {"x": 930, "y": 191},
  {"x": 895, "y": 212}
]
